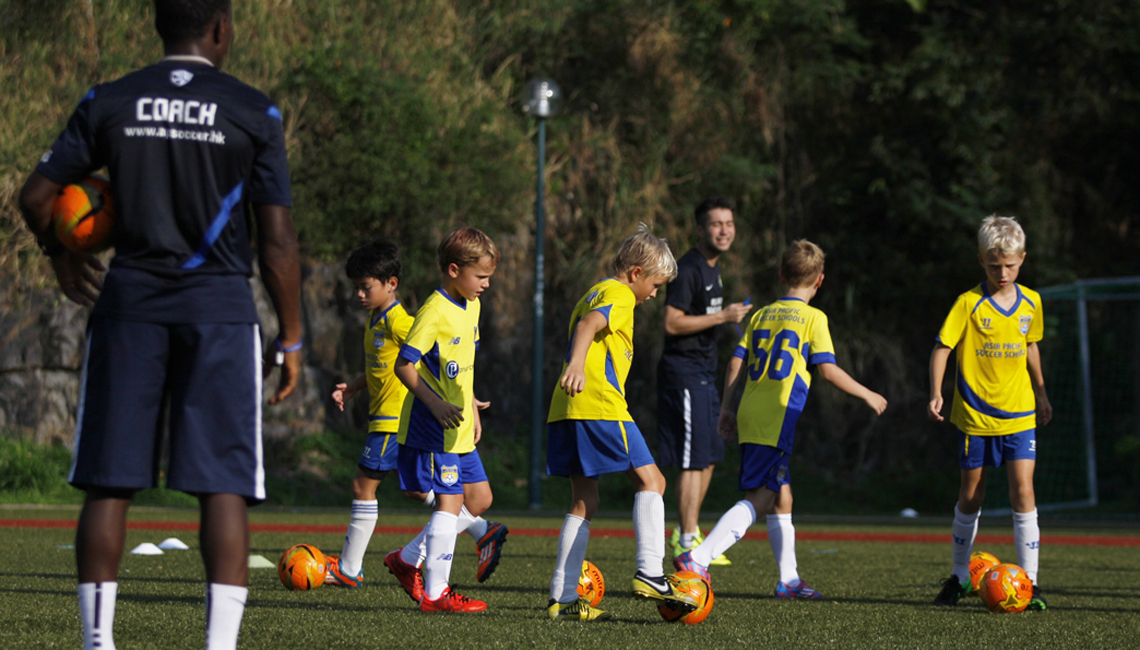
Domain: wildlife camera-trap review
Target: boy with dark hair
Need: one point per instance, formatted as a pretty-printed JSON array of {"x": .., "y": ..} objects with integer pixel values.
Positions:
[
  {"x": 375, "y": 270},
  {"x": 188, "y": 148},
  {"x": 783, "y": 340}
]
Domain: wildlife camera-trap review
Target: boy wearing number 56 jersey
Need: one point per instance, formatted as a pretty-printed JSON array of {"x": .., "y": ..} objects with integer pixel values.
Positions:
[{"x": 779, "y": 347}]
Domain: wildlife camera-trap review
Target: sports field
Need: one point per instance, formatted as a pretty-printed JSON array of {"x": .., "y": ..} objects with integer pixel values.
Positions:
[{"x": 878, "y": 579}]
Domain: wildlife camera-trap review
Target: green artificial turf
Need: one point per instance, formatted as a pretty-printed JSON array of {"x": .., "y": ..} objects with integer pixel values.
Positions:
[{"x": 877, "y": 595}]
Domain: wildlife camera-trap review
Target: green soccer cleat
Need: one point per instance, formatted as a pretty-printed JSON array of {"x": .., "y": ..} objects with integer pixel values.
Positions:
[
  {"x": 1037, "y": 604},
  {"x": 579, "y": 610},
  {"x": 675, "y": 542}
]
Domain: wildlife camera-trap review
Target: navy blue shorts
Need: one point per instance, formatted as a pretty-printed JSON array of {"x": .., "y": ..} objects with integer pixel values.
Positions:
[
  {"x": 686, "y": 427},
  {"x": 994, "y": 451},
  {"x": 381, "y": 452},
  {"x": 594, "y": 447},
  {"x": 209, "y": 377},
  {"x": 425, "y": 471},
  {"x": 763, "y": 466}
]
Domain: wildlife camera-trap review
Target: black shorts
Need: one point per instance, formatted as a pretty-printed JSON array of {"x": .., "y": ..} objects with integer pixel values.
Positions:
[
  {"x": 208, "y": 375},
  {"x": 686, "y": 426}
]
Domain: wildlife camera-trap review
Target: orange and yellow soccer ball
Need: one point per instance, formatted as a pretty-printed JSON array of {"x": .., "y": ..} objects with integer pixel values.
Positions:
[
  {"x": 591, "y": 584},
  {"x": 980, "y": 564},
  {"x": 701, "y": 591},
  {"x": 302, "y": 567},
  {"x": 83, "y": 215},
  {"x": 1006, "y": 589}
]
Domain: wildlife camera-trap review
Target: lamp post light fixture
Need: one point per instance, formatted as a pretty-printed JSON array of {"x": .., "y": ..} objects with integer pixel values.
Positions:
[{"x": 541, "y": 100}]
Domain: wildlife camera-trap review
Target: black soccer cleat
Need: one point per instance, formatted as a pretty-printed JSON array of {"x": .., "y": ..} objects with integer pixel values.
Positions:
[
  {"x": 952, "y": 592},
  {"x": 1037, "y": 604}
]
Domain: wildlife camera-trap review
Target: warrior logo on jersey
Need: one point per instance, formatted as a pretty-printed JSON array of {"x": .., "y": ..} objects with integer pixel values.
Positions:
[
  {"x": 181, "y": 77},
  {"x": 452, "y": 369},
  {"x": 1026, "y": 319},
  {"x": 378, "y": 340},
  {"x": 449, "y": 474}
]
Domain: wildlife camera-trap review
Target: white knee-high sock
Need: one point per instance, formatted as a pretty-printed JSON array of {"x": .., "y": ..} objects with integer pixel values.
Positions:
[
  {"x": 964, "y": 531},
  {"x": 782, "y": 537},
  {"x": 441, "y": 534},
  {"x": 572, "y": 544},
  {"x": 415, "y": 551},
  {"x": 649, "y": 528},
  {"x": 729, "y": 530},
  {"x": 97, "y": 610},
  {"x": 225, "y": 606},
  {"x": 470, "y": 524},
  {"x": 360, "y": 527},
  {"x": 1027, "y": 538}
]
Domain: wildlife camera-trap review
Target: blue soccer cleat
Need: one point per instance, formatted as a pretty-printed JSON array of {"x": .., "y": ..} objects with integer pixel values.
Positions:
[{"x": 802, "y": 591}]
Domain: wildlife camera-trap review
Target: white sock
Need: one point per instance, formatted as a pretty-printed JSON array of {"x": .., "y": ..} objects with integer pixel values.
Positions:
[
  {"x": 687, "y": 539},
  {"x": 441, "y": 536},
  {"x": 429, "y": 499},
  {"x": 360, "y": 527},
  {"x": 470, "y": 524},
  {"x": 782, "y": 537},
  {"x": 415, "y": 551},
  {"x": 964, "y": 530},
  {"x": 649, "y": 528},
  {"x": 568, "y": 563},
  {"x": 729, "y": 530},
  {"x": 1027, "y": 539},
  {"x": 225, "y": 606},
  {"x": 97, "y": 609}
]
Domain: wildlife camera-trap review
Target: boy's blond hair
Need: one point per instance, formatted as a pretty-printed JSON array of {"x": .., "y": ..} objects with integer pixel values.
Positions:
[
  {"x": 801, "y": 263},
  {"x": 648, "y": 251},
  {"x": 466, "y": 246},
  {"x": 1002, "y": 234}
]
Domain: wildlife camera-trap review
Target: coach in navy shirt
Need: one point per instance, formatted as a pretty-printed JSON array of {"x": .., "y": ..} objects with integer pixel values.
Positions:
[
  {"x": 688, "y": 404},
  {"x": 198, "y": 168}
]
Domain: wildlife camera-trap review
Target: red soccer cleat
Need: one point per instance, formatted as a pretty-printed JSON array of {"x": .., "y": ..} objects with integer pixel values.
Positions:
[
  {"x": 452, "y": 602},
  {"x": 409, "y": 576}
]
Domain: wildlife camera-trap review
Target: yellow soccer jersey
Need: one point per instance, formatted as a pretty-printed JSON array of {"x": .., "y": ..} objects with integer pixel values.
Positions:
[
  {"x": 783, "y": 340},
  {"x": 993, "y": 394},
  {"x": 382, "y": 340},
  {"x": 607, "y": 361},
  {"x": 442, "y": 343}
]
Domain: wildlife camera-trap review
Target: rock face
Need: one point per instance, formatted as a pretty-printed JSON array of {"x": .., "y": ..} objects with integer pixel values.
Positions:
[{"x": 42, "y": 345}]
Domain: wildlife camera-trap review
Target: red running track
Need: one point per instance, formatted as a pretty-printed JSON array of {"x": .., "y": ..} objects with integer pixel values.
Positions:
[{"x": 919, "y": 538}]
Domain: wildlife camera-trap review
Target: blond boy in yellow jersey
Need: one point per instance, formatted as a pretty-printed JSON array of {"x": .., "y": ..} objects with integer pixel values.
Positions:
[
  {"x": 439, "y": 423},
  {"x": 375, "y": 271},
  {"x": 999, "y": 398},
  {"x": 781, "y": 344},
  {"x": 590, "y": 431}
]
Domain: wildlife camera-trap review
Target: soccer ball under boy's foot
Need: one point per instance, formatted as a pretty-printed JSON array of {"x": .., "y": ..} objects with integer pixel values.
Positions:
[
  {"x": 952, "y": 592},
  {"x": 579, "y": 610},
  {"x": 335, "y": 578}
]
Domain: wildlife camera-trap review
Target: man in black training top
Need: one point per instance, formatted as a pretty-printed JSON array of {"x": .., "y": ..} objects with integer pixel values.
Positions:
[
  {"x": 688, "y": 404},
  {"x": 195, "y": 158}
]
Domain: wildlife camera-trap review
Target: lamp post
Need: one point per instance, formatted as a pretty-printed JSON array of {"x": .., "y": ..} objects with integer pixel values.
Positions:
[{"x": 541, "y": 99}]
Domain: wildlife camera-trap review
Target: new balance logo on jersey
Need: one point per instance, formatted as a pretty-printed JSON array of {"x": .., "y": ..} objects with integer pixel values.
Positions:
[
  {"x": 181, "y": 77},
  {"x": 177, "y": 111},
  {"x": 455, "y": 341}
]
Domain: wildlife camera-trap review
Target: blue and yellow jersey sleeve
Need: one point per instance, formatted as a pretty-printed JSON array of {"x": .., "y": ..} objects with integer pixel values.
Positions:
[
  {"x": 779, "y": 346},
  {"x": 442, "y": 343},
  {"x": 993, "y": 394},
  {"x": 607, "y": 361},
  {"x": 382, "y": 341}
]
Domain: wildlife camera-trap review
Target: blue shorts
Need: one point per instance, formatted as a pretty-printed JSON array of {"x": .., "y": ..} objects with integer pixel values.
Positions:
[
  {"x": 686, "y": 426},
  {"x": 381, "y": 452},
  {"x": 425, "y": 471},
  {"x": 209, "y": 377},
  {"x": 594, "y": 447},
  {"x": 994, "y": 451},
  {"x": 763, "y": 466}
]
